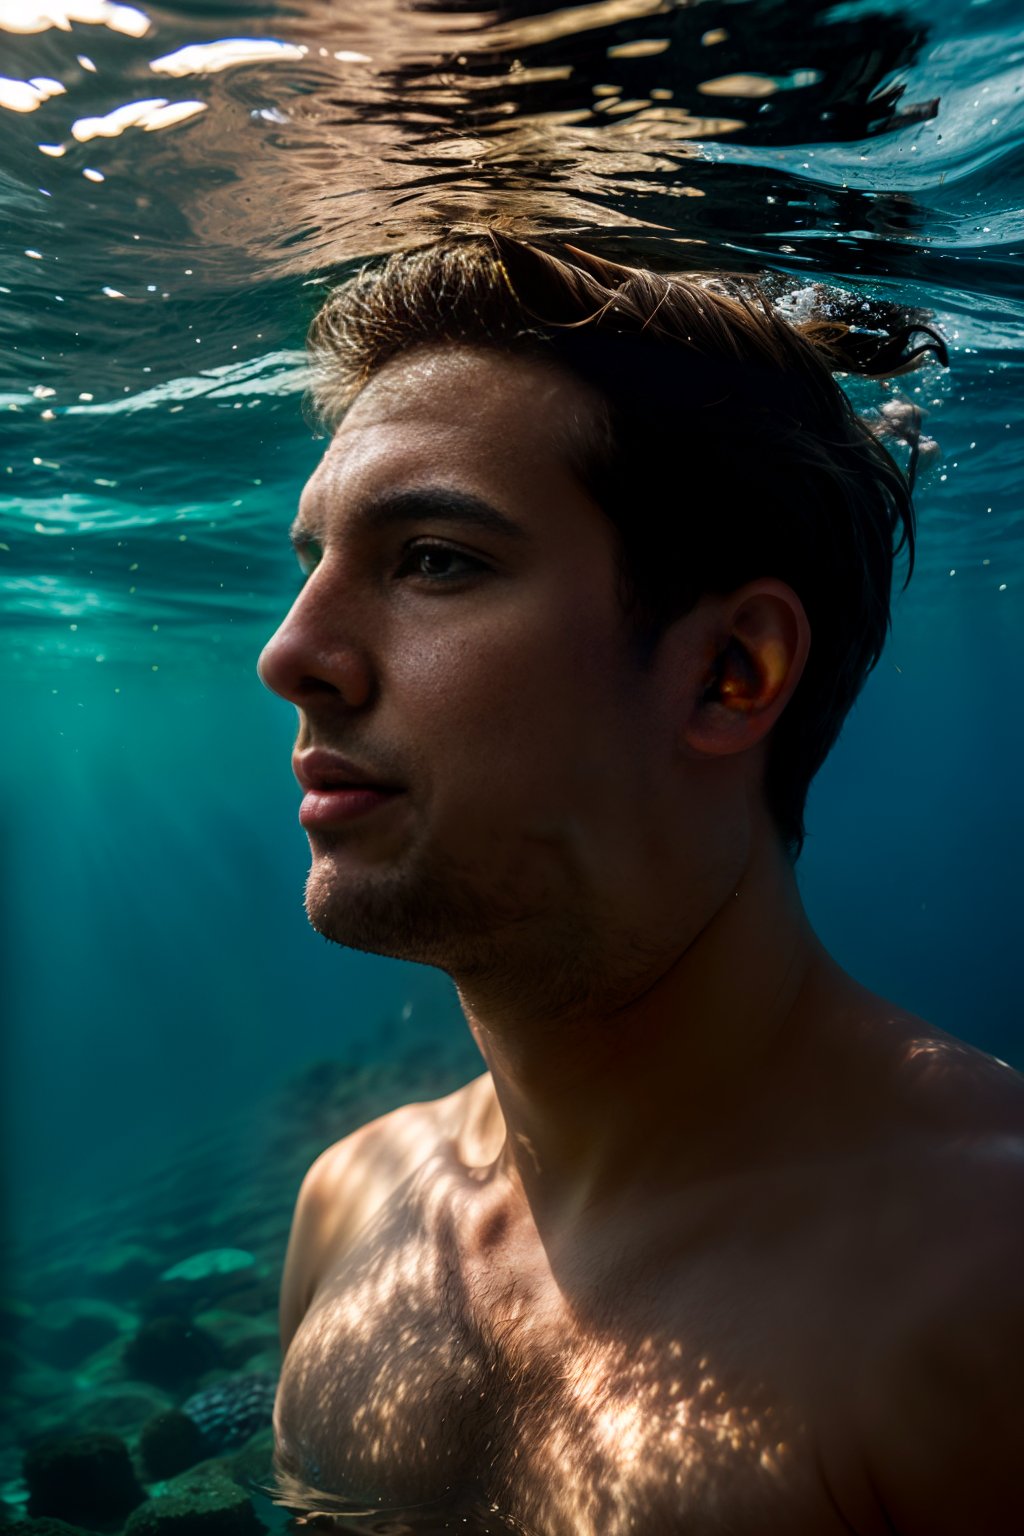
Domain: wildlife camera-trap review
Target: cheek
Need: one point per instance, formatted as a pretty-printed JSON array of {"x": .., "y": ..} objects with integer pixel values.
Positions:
[{"x": 528, "y": 711}]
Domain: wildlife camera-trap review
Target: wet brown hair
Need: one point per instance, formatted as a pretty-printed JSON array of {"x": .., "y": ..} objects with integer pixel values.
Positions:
[{"x": 721, "y": 447}]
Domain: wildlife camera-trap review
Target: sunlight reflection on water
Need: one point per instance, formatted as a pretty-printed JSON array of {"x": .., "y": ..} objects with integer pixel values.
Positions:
[{"x": 168, "y": 246}]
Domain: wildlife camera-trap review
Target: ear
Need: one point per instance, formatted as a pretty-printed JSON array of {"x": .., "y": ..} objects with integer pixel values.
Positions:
[{"x": 755, "y": 641}]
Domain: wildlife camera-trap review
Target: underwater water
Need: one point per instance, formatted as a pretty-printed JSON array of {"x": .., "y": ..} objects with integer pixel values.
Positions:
[{"x": 179, "y": 186}]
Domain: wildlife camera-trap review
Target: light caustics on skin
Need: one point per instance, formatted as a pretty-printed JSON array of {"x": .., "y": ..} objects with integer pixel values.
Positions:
[
  {"x": 646, "y": 1431},
  {"x": 589, "y": 1443},
  {"x": 440, "y": 1379}
]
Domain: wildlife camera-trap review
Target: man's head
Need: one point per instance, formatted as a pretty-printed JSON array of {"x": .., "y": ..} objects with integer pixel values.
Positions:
[{"x": 596, "y": 698}]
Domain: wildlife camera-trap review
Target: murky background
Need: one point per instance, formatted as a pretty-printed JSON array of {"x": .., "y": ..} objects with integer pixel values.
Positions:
[{"x": 178, "y": 187}]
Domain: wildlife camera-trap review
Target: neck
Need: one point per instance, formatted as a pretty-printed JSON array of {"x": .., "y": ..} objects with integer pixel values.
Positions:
[{"x": 673, "y": 1084}]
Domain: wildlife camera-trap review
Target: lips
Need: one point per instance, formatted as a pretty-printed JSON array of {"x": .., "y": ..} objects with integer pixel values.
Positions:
[
  {"x": 320, "y": 770},
  {"x": 334, "y": 808}
]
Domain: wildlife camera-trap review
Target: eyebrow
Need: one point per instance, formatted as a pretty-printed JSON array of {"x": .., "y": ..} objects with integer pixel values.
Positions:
[{"x": 432, "y": 503}]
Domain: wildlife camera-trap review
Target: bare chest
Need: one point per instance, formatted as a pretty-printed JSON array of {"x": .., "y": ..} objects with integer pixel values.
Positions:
[{"x": 436, "y": 1379}]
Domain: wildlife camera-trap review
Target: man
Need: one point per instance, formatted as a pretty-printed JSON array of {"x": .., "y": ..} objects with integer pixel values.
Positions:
[{"x": 596, "y": 563}]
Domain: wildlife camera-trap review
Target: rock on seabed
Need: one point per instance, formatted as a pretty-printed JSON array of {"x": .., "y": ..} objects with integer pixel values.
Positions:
[
  {"x": 206, "y": 1505},
  {"x": 84, "y": 1479}
]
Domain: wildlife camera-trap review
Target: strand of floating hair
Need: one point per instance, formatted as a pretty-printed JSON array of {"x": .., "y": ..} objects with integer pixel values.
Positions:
[
  {"x": 914, "y": 439},
  {"x": 654, "y": 311}
]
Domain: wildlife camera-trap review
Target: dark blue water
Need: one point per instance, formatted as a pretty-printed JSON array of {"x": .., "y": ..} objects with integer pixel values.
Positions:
[{"x": 161, "y": 261}]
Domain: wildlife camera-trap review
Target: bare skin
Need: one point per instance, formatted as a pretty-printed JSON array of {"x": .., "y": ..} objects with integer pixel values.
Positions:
[{"x": 721, "y": 1241}]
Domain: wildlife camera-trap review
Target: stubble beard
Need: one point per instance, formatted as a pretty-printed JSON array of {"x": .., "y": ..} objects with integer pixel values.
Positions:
[
  {"x": 433, "y": 917},
  {"x": 547, "y": 964}
]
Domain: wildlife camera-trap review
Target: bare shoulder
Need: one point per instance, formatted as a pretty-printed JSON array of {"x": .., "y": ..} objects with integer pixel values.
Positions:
[
  {"x": 942, "y": 1415},
  {"x": 953, "y": 1082},
  {"x": 948, "y": 1170},
  {"x": 925, "y": 1209},
  {"x": 351, "y": 1180},
  {"x": 940, "y": 1406}
]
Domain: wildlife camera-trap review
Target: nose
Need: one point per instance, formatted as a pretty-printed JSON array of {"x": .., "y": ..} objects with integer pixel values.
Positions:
[{"x": 308, "y": 660}]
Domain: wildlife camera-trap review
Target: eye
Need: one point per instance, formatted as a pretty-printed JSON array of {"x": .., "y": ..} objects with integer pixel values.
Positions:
[
  {"x": 308, "y": 554},
  {"x": 437, "y": 562}
]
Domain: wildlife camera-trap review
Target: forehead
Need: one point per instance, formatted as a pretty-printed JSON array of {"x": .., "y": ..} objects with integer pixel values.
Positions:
[{"x": 486, "y": 420}]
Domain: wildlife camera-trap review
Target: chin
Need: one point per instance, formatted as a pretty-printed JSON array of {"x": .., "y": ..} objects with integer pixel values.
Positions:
[
  {"x": 547, "y": 963},
  {"x": 425, "y": 920}
]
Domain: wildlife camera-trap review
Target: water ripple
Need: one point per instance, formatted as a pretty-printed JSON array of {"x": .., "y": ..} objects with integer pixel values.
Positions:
[{"x": 178, "y": 194}]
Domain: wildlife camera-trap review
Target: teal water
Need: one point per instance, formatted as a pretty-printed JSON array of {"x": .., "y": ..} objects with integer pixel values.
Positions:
[{"x": 160, "y": 985}]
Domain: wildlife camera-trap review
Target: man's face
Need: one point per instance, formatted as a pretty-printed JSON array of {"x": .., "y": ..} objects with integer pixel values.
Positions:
[{"x": 459, "y": 635}]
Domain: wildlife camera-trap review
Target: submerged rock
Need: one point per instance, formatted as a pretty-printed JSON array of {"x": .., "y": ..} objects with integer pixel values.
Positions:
[
  {"x": 35, "y": 1382},
  {"x": 45, "y": 1525},
  {"x": 231, "y": 1410},
  {"x": 119, "y": 1410},
  {"x": 122, "y": 1270},
  {"x": 202, "y": 1503},
  {"x": 215, "y": 1261},
  {"x": 84, "y": 1479},
  {"x": 64, "y": 1333},
  {"x": 15, "y": 1314},
  {"x": 171, "y": 1352},
  {"x": 253, "y": 1465},
  {"x": 252, "y": 1294},
  {"x": 202, "y": 1280},
  {"x": 239, "y": 1337},
  {"x": 170, "y": 1443}
]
